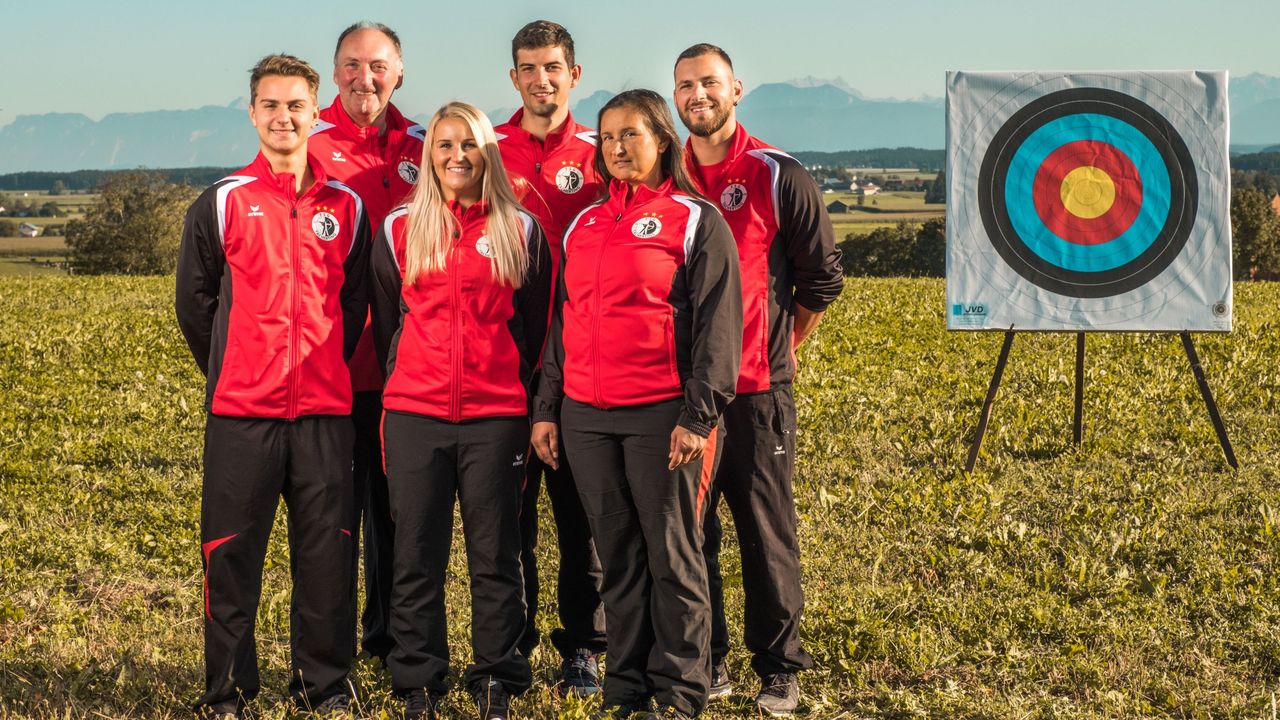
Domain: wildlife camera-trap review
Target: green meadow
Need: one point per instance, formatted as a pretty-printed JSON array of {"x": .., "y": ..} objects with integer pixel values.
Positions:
[{"x": 1135, "y": 576}]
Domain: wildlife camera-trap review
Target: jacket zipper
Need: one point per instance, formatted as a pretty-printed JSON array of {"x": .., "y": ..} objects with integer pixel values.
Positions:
[
  {"x": 455, "y": 396},
  {"x": 294, "y": 280},
  {"x": 595, "y": 320}
]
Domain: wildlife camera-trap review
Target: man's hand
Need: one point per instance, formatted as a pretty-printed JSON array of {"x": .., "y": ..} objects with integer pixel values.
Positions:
[
  {"x": 685, "y": 447},
  {"x": 806, "y": 321},
  {"x": 546, "y": 442}
]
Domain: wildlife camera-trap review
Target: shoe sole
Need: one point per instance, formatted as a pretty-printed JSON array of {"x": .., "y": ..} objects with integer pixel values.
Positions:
[
  {"x": 720, "y": 693},
  {"x": 775, "y": 713},
  {"x": 581, "y": 692}
]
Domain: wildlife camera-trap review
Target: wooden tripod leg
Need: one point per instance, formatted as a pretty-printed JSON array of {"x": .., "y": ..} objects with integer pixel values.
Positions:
[{"x": 991, "y": 398}]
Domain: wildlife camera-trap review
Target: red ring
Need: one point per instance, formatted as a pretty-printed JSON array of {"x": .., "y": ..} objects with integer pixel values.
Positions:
[{"x": 1047, "y": 191}]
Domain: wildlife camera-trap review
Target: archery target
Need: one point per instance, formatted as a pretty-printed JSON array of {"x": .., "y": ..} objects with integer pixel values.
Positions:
[{"x": 1088, "y": 201}]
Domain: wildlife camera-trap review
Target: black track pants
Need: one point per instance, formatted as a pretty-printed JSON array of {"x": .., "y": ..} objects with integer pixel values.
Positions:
[
  {"x": 481, "y": 463},
  {"x": 754, "y": 476},
  {"x": 647, "y": 524},
  {"x": 248, "y": 465},
  {"x": 373, "y": 509},
  {"x": 578, "y": 581}
]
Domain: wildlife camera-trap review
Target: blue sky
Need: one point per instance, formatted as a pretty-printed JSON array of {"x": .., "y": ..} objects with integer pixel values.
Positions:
[{"x": 135, "y": 55}]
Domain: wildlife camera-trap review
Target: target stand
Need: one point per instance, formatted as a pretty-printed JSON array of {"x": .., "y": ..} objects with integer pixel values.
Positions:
[
  {"x": 1088, "y": 202},
  {"x": 1077, "y": 424}
]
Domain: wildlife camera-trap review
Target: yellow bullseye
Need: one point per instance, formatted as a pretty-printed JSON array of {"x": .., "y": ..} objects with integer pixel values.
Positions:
[{"x": 1088, "y": 192}]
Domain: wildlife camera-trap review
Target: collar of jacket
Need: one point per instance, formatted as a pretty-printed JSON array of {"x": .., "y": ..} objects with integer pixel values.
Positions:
[
  {"x": 555, "y": 138},
  {"x": 285, "y": 182},
  {"x": 619, "y": 202},
  {"x": 463, "y": 215},
  {"x": 737, "y": 145},
  {"x": 396, "y": 122}
]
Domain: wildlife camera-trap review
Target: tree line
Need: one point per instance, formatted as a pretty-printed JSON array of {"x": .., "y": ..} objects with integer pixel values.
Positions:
[{"x": 136, "y": 225}]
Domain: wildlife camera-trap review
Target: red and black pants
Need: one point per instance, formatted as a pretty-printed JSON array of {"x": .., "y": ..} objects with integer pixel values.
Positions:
[
  {"x": 249, "y": 464},
  {"x": 754, "y": 477},
  {"x": 647, "y": 525},
  {"x": 429, "y": 463}
]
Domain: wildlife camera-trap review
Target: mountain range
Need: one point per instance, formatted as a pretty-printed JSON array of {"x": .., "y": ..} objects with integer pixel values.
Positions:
[{"x": 805, "y": 114}]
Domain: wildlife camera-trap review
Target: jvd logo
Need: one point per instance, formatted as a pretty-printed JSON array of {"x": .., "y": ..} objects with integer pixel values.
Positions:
[{"x": 968, "y": 309}]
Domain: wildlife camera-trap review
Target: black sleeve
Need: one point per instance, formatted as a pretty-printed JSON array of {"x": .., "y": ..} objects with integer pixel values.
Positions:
[
  {"x": 808, "y": 237},
  {"x": 354, "y": 295},
  {"x": 533, "y": 302},
  {"x": 713, "y": 276},
  {"x": 550, "y": 391},
  {"x": 384, "y": 295},
  {"x": 200, "y": 265}
]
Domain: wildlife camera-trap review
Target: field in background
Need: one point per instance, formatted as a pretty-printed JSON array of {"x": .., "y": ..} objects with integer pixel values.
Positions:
[{"x": 1135, "y": 577}]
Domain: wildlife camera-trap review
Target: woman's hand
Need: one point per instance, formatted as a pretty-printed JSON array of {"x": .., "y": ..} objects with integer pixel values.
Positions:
[
  {"x": 545, "y": 440},
  {"x": 686, "y": 447}
]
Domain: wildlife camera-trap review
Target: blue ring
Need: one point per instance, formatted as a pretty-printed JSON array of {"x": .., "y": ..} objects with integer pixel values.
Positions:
[{"x": 1153, "y": 212}]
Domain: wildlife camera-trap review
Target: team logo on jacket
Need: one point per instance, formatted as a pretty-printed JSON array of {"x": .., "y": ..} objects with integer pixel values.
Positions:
[
  {"x": 325, "y": 225},
  {"x": 569, "y": 179},
  {"x": 646, "y": 227},
  {"x": 408, "y": 171},
  {"x": 482, "y": 247},
  {"x": 733, "y": 196}
]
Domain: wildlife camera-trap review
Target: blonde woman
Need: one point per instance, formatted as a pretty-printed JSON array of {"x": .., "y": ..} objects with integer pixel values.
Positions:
[{"x": 462, "y": 279}]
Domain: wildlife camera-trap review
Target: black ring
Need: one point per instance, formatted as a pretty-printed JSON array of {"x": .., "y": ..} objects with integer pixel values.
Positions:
[{"x": 1163, "y": 249}]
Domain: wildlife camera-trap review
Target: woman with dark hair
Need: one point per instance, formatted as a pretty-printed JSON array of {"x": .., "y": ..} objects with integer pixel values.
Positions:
[
  {"x": 641, "y": 360},
  {"x": 462, "y": 287}
]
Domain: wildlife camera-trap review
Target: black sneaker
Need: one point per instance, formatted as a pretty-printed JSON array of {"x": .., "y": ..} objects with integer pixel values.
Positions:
[
  {"x": 779, "y": 694},
  {"x": 580, "y": 674},
  {"x": 721, "y": 682},
  {"x": 492, "y": 700},
  {"x": 227, "y": 712},
  {"x": 334, "y": 706},
  {"x": 418, "y": 705}
]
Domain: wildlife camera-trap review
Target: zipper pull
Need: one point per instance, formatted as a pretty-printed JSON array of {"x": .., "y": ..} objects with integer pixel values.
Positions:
[
  {"x": 293, "y": 212},
  {"x": 619, "y": 218},
  {"x": 385, "y": 182},
  {"x": 537, "y": 167}
]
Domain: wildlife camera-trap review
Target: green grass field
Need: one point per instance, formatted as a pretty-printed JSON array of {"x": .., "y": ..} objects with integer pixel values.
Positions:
[{"x": 1135, "y": 577}]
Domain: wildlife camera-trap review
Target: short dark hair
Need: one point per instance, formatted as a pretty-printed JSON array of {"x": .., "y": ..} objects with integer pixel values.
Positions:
[
  {"x": 701, "y": 49},
  {"x": 286, "y": 66},
  {"x": 657, "y": 116},
  {"x": 540, "y": 34},
  {"x": 366, "y": 25}
]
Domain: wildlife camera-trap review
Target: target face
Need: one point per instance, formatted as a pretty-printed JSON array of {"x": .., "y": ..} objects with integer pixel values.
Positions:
[{"x": 1082, "y": 202}]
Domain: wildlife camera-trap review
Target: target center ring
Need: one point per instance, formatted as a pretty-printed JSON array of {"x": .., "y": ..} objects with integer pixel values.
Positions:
[{"x": 1088, "y": 192}]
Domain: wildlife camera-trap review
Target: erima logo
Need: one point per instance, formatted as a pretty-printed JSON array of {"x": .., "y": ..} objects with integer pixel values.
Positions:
[
  {"x": 255, "y": 212},
  {"x": 590, "y": 221},
  {"x": 519, "y": 460},
  {"x": 779, "y": 450},
  {"x": 337, "y": 157}
]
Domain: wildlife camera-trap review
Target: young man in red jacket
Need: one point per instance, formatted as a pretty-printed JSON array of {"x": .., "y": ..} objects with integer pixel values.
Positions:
[
  {"x": 550, "y": 159},
  {"x": 364, "y": 141},
  {"x": 271, "y": 298},
  {"x": 790, "y": 273}
]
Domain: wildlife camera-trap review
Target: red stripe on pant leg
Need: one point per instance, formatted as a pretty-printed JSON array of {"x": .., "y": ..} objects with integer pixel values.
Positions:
[
  {"x": 382, "y": 440},
  {"x": 207, "y": 549},
  {"x": 704, "y": 478}
]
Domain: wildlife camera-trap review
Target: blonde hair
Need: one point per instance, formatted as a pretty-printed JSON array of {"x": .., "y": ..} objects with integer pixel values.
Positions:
[{"x": 430, "y": 226}]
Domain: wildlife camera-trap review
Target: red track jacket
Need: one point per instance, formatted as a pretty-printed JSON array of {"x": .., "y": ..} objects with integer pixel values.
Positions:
[
  {"x": 559, "y": 175},
  {"x": 271, "y": 292},
  {"x": 785, "y": 244},
  {"x": 458, "y": 345},
  {"x": 383, "y": 169},
  {"x": 648, "y": 308}
]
